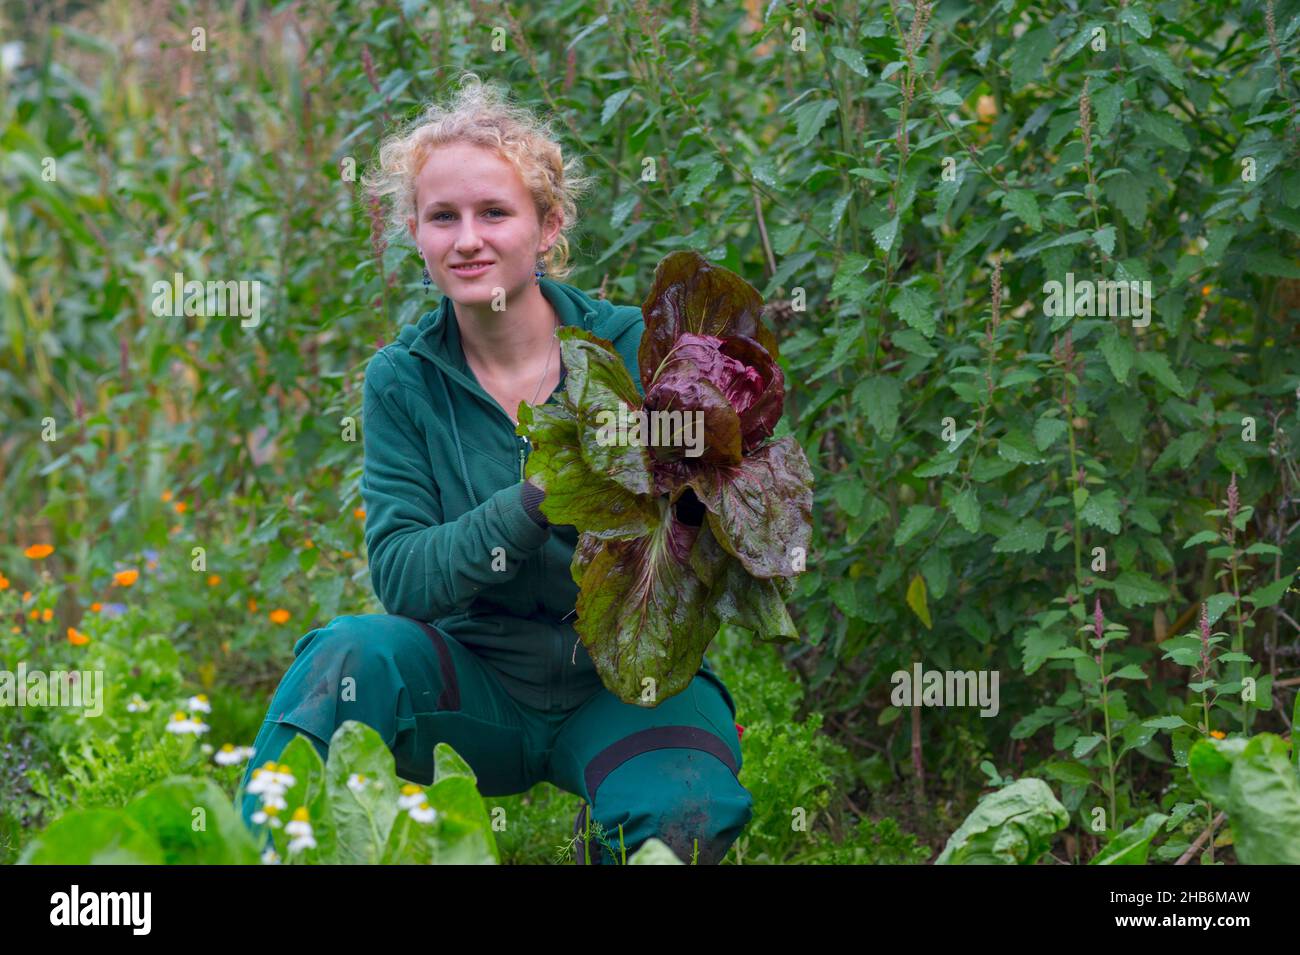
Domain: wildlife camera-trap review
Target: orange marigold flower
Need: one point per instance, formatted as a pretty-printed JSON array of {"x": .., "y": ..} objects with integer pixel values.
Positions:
[
  {"x": 308, "y": 544},
  {"x": 38, "y": 551},
  {"x": 27, "y": 595},
  {"x": 4, "y": 582},
  {"x": 279, "y": 615},
  {"x": 33, "y": 614},
  {"x": 213, "y": 580},
  {"x": 1217, "y": 734},
  {"x": 180, "y": 507},
  {"x": 125, "y": 578},
  {"x": 77, "y": 638},
  {"x": 1206, "y": 289},
  {"x": 47, "y": 614},
  {"x": 359, "y": 513},
  {"x": 166, "y": 496},
  {"x": 96, "y": 607},
  {"x": 14, "y": 628},
  {"x": 252, "y": 605},
  {"x": 347, "y": 554}
]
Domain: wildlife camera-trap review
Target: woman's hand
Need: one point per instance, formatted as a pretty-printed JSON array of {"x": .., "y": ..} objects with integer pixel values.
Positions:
[{"x": 532, "y": 496}]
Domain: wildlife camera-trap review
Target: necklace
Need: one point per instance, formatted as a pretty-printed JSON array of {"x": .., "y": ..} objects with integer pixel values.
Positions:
[{"x": 555, "y": 335}]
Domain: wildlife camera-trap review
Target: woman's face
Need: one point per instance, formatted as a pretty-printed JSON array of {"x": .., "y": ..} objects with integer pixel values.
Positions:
[{"x": 473, "y": 208}]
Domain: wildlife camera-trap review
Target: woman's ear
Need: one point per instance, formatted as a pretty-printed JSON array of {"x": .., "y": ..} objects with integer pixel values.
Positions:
[{"x": 554, "y": 223}]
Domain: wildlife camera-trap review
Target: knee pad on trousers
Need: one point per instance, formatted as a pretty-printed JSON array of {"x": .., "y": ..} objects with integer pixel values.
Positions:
[{"x": 688, "y": 798}]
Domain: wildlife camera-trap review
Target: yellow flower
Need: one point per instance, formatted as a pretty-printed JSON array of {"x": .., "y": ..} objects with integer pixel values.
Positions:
[
  {"x": 300, "y": 814},
  {"x": 307, "y": 544},
  {"x": 47, "y": 614},
  {"x": 125, "y": 578},
  {"x": 13, "y": 629},
  {"x": 77, "y": 638},
  {"x": 1217, "y": 734},
  {"x": 279, "y": 615},
  {"x": 38, "y": 551},
  {"x": 213, "y": 580}
]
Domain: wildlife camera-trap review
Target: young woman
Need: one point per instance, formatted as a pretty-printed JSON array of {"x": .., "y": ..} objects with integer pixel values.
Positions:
[{"x": 478, "y": 648}]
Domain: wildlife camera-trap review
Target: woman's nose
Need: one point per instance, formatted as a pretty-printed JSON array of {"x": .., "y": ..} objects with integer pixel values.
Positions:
[{"x": 466, "y": 238}]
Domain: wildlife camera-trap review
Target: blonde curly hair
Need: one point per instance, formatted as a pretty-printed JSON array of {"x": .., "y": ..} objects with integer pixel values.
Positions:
[{"x": 482, "y": 115}]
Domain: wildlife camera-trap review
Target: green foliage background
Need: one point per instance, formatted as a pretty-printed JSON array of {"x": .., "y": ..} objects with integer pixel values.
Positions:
[{"x": 970, "y": 455}]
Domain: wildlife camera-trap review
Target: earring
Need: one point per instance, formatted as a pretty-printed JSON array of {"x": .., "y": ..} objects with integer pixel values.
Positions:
[
  {"x": 427, "y": 281},
  {"x": 539, "y": 270}
]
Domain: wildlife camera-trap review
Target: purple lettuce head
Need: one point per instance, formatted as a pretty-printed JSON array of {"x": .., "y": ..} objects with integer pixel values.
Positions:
[
  {"x": 705, "y": 349},
  {"x": 735, "y": 384}
]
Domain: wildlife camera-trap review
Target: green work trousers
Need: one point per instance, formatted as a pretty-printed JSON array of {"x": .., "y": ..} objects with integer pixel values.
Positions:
[{"x": 669, "y": 771}]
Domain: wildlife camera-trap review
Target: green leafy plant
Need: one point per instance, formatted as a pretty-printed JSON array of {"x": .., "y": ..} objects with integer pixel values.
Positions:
[
  {"x": 652, "y": 588},
  {"x": 353, "y": 809},
  {"x": 1013, "y": 825},
  {"x": 1258, "y": 785},
  {"x": 181, "y": 820}
]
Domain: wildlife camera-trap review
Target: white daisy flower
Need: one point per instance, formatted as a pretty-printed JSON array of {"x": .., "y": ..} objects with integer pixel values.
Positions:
[
  {"x": 231, "y": 755},
  {"x": 282, "y": 777},
  {"x": 270, "y": 857},
  {"x": 268, "y": 815},
  {"x": 206, "y": 749},
  {"x": 264, "y": 778},
  {"x": 300, "y": 828},
  {"x": 357, "y": 782},
  {"x": 136, "y": 704},
  {"x": 302, "y": 842},
  {"x": 199, "y": 704},
  {"x": 181, "y": 724},
  {"x": 412, "y": 796},
  {"x": 423, "y": 813}
]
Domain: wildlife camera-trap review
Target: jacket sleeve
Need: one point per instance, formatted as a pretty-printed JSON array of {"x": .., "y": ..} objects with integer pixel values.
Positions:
[{"x": 420, "y": 565}]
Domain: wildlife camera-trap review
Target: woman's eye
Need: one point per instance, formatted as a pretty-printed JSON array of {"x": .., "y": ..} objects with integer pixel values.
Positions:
[{"x": 437, "y": 216}]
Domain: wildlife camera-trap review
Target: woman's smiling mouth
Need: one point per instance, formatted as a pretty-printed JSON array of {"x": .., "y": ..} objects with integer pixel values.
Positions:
[{"x": 471, "y": 269}]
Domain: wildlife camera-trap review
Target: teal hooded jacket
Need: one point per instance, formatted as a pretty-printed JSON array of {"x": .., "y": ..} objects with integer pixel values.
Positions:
[{"x": 447, "y": 536}]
